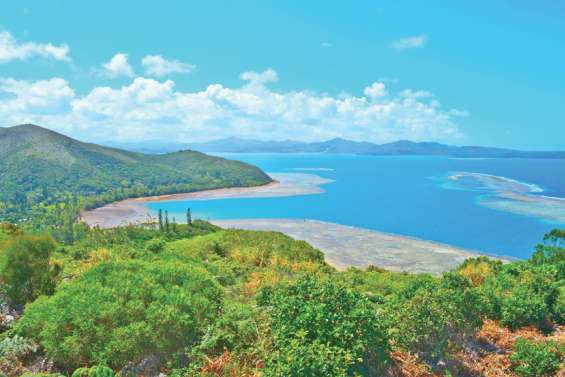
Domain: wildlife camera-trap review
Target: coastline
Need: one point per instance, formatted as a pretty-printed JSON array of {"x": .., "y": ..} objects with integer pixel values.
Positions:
[
  {"x": 133, "y": 211},
  {"x": 348, "y": 246},
  {"x": 343, "y": 246}
]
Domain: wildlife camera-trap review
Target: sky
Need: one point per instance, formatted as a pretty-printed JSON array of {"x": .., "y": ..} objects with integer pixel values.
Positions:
[{"x": 466, "y": 73}]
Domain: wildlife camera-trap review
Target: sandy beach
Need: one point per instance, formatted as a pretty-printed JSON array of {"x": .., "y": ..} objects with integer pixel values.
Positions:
[{"x": 133, "y": 211}]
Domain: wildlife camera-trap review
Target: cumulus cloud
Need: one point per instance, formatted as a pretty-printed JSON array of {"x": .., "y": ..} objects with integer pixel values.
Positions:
[
  {"x": 376, "y": 90},
  {"x": 118, "y": 66},
  {"x": 156, "y": 65},
  {"x": 11, "y": 49},
  {"x": 150, "y": 109},
  {"x": 409, "y": 42}
]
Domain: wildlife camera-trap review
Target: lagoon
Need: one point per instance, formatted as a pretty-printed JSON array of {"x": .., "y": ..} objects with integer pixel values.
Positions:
[{"x": 413, "y": 196}]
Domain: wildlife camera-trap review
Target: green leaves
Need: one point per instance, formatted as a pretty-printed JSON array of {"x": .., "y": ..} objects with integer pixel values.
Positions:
[
  {"x": 26, "y": 270},
  {"x": 429, "y": 314},
  {"x": 120, "y": 311},
  {"x": 312, "y": 318},
  {"x": 537, "y": 359},
  {"x": 95, "y": 371}
]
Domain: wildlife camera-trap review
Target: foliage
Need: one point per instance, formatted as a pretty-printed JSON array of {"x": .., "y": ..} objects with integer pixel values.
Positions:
[
  {"x": 317, "y": 359},
  {"x": 16, "y": 346},
  {"x": 434, "y": 314},
  {"x": 46, "y": 179},
  {"x": 26, "y": 268},
  {"x": 118, "y": 311},
  {"x": 313, "y": 320},
  {"x": 95, "y": 371},
  {"x": 214, "y": 302},
  {"x": 536, "y": 359}
]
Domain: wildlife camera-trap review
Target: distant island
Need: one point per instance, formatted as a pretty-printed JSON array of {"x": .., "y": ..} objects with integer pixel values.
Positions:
[{"x": 338, "y": 145}]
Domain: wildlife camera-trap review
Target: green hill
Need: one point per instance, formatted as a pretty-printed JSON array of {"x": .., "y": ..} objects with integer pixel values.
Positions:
[{"x": 40, "y": 168}]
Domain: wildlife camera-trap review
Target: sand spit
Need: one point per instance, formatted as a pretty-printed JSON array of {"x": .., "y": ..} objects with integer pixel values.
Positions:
[{"x": 133, "y": 211}]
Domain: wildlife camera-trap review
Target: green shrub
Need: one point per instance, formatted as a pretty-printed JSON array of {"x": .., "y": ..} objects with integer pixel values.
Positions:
[
  {"x": 311, "y": 319},
  {"x": 95, "y": 371},
  {"x": 431, "y": 314},
  {"x": 16, "y": 346},
  {"x": 26, "y": 269},
  {"x": 237, "y": 330},
  {"x": 529, "y": 303},
  {"x": 536, "y": 359},
  {"x": 313, "y": 359},
  {"x": 118, "y": 312}
]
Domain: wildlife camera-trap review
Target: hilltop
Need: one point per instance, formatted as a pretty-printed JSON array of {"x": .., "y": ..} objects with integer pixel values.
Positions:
[{"x": 39, "y": 167}]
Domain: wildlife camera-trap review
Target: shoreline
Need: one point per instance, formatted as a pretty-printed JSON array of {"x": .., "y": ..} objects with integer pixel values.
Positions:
[
  {"x": 347, "y": 246},
  {"x": 133, "y": 211},
  {"x": 343, "y": 246}
]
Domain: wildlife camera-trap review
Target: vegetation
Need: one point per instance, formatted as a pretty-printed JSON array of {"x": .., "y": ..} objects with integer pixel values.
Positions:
[
  {"x": 192, "y": 299},
  {"x": 26, "y": 268},
  {"x": 201, "y": 301},
  {"x": 541, "y": 359},
  {"x": 46, "y": 179}
]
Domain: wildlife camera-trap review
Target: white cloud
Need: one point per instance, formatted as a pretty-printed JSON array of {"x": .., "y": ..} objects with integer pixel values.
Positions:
[
  {"x": 152, "y": 109},
  {"x": 118, "y": 66},
  {"x": 259, "y": 79},
  {"x": 376, "y": 90},
  {"x": 409, "y": 93},
  {"x": 409, "y": 42},
  {"x": 11, "y": 49},
  {"x": 156, "y": 65}
]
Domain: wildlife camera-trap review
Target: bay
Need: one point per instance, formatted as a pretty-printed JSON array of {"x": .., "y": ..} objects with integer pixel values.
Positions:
[{"x": 413, "y": 196}]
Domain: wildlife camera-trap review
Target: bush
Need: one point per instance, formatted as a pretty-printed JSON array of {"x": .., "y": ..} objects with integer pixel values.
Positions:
[
  {"x": 312, "y": 320},
  {"x": 26, "y": 269},
  {"x": 541, "y": 359},
  {"x": 118, "y": 312},
  {"x": 95, "y": 371},
  {"x": 430, "y": 314},
  {"x": 16, "y": 346},
  {"x": 313, "y": 359},
  {"x": 524, "y": 307}
]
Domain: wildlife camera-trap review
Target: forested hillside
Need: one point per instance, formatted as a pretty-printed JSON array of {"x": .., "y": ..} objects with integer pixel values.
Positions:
[
  {"x": 45, "y": 175},
  {"x": 195, "y": 300}
]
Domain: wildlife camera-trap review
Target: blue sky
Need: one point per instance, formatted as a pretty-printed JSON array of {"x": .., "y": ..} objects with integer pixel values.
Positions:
[{"x": 481, "y": 72}]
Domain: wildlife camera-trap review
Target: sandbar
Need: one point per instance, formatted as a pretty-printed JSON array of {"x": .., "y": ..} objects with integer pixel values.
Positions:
[{"x": 348, "y": 246}]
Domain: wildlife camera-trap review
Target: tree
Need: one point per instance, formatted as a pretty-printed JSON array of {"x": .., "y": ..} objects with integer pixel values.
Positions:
[
  {"x": 188, "y": 217},
  {"x": 166, "y": 221},
  {"x": 174, "y": 225},
  {"x": 160, "y": 216},
  {"x": 26, "y": 269}
]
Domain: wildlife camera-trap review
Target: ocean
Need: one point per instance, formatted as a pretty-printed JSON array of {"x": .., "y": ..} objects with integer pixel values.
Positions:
[{"x": 497, "y": 206}]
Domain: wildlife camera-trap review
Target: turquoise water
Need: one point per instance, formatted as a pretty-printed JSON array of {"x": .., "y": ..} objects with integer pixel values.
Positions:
[{"x": 410, "y": 196}]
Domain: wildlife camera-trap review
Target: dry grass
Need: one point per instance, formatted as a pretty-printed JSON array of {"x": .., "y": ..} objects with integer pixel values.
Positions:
[
  {"x": 490, "y": 356},
  {"x": 226, "y": 365}
]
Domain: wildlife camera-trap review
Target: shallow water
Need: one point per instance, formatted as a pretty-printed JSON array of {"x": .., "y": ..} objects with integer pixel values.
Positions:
[{"x": 411, "y": 196}]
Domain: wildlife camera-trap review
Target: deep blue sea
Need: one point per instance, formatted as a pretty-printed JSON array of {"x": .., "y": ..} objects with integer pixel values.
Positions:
[{"x": 404, "y": 195}]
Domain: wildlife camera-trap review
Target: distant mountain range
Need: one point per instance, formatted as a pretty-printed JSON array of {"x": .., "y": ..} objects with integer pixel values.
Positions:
[{"x": 403, "y": 147}]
